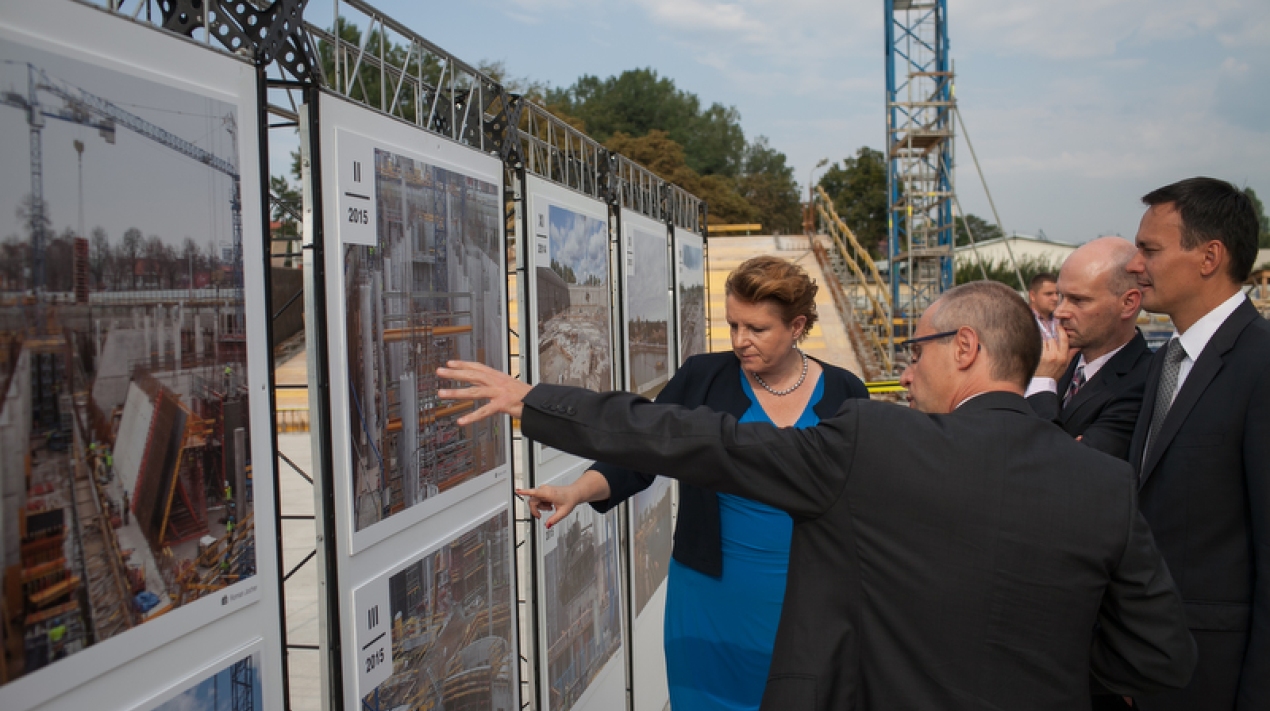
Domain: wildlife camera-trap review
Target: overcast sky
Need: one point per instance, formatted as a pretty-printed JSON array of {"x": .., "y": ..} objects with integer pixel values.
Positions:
[
  {"x": 132, "y": 182},
  {"x": 1075, "y": 108}
]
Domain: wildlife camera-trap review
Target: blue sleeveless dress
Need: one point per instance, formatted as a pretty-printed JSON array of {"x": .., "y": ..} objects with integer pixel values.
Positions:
[{"x": 719, "y": 632}]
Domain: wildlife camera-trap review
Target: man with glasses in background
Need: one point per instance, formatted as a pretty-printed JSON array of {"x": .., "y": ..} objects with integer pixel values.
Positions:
[{"x": 962, "y": 554}]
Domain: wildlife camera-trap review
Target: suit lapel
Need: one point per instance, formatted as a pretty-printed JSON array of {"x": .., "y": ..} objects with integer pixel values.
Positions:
[
  {"x": 1107, "y": 375},
  {"x": 1202, "y": 373},
  {"x": 1144, "y": 415}
]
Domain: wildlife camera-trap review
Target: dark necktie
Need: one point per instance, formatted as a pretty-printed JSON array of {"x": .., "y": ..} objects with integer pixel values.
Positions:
[
  {"x": 1078, "y": 379},
  {"x": 1173, "y": 357}
]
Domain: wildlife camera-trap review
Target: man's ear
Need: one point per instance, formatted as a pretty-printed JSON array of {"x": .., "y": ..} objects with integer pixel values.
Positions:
[
  {"x": 1130, "y": 304},
  {"x": 1214, "y": 257},
  {"x": 966, "y": 347}
]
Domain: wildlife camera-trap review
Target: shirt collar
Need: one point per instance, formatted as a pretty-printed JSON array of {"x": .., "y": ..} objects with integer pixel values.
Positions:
[
  {"x": 1092, "y": 367},
  {"x": 1202, "y": 331}
]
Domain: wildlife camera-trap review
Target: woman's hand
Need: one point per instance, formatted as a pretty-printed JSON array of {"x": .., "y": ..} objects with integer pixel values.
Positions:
[
  {"x": 561, "y": 499},
  {"x": 591, "y": 486}
]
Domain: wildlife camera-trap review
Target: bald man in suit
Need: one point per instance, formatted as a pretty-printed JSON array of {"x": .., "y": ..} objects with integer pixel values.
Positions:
[{"x": 1093, "y": 374}]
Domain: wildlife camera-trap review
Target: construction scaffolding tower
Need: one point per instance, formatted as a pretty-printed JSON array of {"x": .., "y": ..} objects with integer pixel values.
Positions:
[{"x": 919, "y": 125}]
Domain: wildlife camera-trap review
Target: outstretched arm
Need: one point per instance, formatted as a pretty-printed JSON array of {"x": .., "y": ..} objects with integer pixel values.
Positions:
[{"x": 798, "y": 471}]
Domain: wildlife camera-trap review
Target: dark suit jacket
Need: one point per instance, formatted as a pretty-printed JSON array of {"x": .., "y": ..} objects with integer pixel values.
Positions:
[
  {"x": 1205, "y": 490},
  {"x": 1105, "y": 410},
  {"x": 976, "y": 560},
  {"x": 714, "y": 381}
]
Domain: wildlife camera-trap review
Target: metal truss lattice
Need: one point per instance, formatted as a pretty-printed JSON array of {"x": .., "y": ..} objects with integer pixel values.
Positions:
[{"x": 919, "y": 111}]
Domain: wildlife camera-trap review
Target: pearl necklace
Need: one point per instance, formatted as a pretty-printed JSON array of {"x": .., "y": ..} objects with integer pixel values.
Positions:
[{"x": 790, "y": 389}]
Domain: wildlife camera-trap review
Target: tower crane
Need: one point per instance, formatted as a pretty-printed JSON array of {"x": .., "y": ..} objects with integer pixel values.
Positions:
[{"x": 87, "y": 109}]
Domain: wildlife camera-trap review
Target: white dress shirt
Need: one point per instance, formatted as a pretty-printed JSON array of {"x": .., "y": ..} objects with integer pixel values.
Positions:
[{"x": 1201, "y": 332}]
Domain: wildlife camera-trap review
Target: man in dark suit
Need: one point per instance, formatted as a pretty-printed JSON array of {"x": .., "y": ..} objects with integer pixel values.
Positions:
[
  {"x": 975, "y": 557},
  {"x": 1095, "y": 396},
  {"x": 1202, "y": 443}
]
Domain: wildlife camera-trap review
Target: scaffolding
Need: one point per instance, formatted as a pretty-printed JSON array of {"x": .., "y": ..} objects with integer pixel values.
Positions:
[{"x": 919, "y": 149}]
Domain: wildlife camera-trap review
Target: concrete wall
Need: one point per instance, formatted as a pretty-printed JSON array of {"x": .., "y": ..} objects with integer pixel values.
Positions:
[{"x": 15, "y": 435}]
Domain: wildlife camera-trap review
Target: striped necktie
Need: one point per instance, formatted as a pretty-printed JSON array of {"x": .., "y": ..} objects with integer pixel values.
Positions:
[{"x": 1078, "y": 380}]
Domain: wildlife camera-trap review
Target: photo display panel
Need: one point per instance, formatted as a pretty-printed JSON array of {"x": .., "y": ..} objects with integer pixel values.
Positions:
[
  {"x": 690, "y": 292},
  {"x": 650, "y": 359},
  {"x": 580, "y": 641},
  {"x": 570, "y": 298},
  {"x": 652, "y": 520},
  {"x": 646, "y": 287},
  {"x": 440, "y": 626},
  {"x": 417, "y": 278},
  {"x": 134, "y": 419}
]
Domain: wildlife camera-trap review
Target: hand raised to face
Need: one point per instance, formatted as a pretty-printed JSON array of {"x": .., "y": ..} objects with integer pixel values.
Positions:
[{"x": 1055, "y": 355}]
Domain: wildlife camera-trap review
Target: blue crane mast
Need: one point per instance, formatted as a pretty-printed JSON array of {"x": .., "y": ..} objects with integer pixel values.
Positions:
[{"x": 919, "y": 152}]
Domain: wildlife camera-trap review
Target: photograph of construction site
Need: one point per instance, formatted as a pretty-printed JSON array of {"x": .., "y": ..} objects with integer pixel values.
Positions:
[
  {"x": 451, "y": 627},
  {"x": 692, "y": 296},
  {"x": 125, "y": 459},
  {"x": 575, "y": 344},
  {"x": 430, "y": 290},
  {"x": 236, "y": 687},
  {"x": 647, "y": 311},
  {"x": 651, "y": 518},
  {"x": 582, "y": 604}
]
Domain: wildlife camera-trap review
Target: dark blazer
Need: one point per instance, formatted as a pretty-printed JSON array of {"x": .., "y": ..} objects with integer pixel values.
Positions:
[
  {"x": 1205, "y": 490},
  {"x": 976, "y": 560},
  {"x": 1105, "y": 410},
  {"x": 714, "y": 381}
]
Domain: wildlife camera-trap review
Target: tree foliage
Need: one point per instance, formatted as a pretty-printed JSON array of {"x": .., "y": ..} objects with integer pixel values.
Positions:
[
  {"x": 638, "y": 101},
  {"x": 857, "y": 187},
  {"x": 1263, "y": 239},
  {"x": 767, "y": 183},
  {"x": 980, "y": 229},
  {"x": 648, "y": 119},
  {"x": 968, "y": 269}
]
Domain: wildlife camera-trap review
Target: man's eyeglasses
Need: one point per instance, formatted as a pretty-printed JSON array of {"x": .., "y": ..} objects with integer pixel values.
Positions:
[{"x": 914, "y": 345}]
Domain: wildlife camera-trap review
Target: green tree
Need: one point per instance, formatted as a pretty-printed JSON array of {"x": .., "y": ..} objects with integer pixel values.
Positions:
[
  {"x": 767, "y": 183},
  {"x": 365, "y": 85},
  {"x": 858, "y": 190},
  {"x": 968, "y": 269},
  {"x": 639, "y": 101},
  {"x": 286, "y": 205},
  {"x": 1263, "y": 240},
  {"x": 980, "y": 229},
  {"x": 665, "y": 157}
]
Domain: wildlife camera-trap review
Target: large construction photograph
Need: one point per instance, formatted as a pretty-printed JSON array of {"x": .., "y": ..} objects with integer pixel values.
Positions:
[
  {"x": 575, "y": 345},
  {"x": 582, "y": 604},
  {"x": 647, "y": 311},
  {"x": 125, "y": 455},
  {"x": 451, "y": 627},
  {"x": 429, "y": 290},
  {"x": 691, "y": 295}
]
